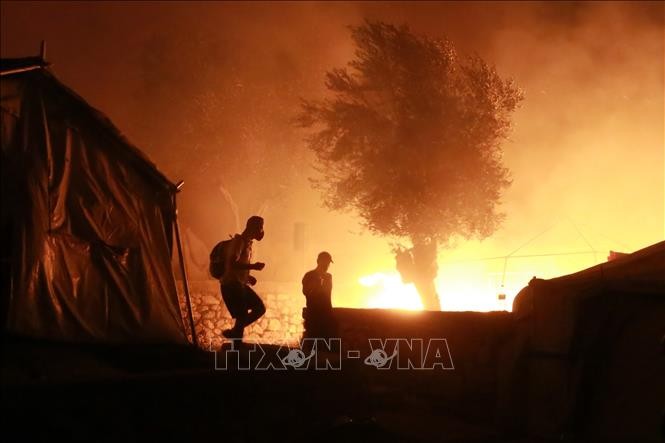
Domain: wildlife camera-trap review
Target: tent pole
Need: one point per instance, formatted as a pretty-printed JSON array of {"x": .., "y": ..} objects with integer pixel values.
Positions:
[{"x": 185, "y": 283}]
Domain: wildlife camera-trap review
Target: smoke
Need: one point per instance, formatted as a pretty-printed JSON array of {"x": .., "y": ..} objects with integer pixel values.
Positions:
[
  {"x": 586, "y": 152},
  {"x": 588, "y": 142},
  {"x": 233, "y": 205}
]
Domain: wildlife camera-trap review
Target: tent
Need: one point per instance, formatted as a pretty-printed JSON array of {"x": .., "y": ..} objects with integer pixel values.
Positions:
[
  {"x": 87, "y": 221},
  {"x": 588, "y": 360}
]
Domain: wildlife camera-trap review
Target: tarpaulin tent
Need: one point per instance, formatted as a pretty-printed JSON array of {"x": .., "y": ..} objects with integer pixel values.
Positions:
[
  {"x": 588, "y": 360},
  {"x": 87, "y": 221}
]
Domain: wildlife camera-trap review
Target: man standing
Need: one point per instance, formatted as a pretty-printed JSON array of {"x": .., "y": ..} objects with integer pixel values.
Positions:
[
  {"x": 242, "y": 302},
  {"x": 317, "y": 288}
]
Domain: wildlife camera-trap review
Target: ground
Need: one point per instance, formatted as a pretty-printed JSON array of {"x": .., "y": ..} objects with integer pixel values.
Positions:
[{"x": 78, "y": 393}]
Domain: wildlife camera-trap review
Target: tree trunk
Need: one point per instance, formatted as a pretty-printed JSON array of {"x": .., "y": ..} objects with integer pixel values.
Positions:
[{"x": 418, "y": 266}]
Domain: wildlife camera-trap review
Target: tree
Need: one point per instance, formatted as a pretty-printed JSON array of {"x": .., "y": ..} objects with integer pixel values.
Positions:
[{"x": 411, "y": 139}]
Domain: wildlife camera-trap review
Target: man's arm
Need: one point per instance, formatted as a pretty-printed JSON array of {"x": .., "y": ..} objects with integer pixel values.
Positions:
[
  {"x": 236, "y": 251},
  {"x": 308, "y": 285},
  {"x": 326, "y": 282}
]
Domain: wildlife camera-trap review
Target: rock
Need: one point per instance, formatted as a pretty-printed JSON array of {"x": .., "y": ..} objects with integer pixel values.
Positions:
[
  {"x": 271, "y": 337},
  {"x": 208, "y": 324},
  {"x": 227, "y": 324},
  {"x": 210, "y": 300},
  {"x": 274, "y": 325},
  {"x": 209, "y": 315}
]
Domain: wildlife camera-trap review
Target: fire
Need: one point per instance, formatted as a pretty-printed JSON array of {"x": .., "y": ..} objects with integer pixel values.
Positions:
[
  {"x": 463, "y": 293},
  {"x": 482, "y": 286},
  {"x": 476, "y": 277},
  {"x": 387, "y": 291}
]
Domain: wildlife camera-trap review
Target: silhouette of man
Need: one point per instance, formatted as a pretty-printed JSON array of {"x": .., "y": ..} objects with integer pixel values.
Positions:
[
  {"x": 317, "y": 288},
  {"x": 242, "y": 302}
]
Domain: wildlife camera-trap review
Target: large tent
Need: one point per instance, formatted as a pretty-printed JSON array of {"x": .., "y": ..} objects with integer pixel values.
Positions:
[
  {"x": 87, "y": 221},
  {"x": 588, "y": 360}
]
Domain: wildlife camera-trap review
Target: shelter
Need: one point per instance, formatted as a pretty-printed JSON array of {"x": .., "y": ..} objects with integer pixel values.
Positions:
[
  {"x": 587, "y": 360},
  {"x": 87, "y": 221}
]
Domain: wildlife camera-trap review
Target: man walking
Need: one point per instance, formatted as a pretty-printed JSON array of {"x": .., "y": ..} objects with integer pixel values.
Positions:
[{"x": 242, "y": 302}]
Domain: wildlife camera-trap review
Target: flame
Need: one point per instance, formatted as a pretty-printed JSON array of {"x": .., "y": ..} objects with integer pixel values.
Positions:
[
  {"x": 387, "y": 291},
  {"x": 464, "y": 293},
  {"x": 482, "y": 286},
  {"x": 474, "y": 277}
]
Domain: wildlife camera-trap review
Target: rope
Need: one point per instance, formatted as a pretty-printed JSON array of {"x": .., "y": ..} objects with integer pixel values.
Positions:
[{"x": 595, "y": 258}]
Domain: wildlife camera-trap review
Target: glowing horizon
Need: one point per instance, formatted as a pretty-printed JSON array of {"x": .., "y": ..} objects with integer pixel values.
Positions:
[{"x": 467, "y": 286}]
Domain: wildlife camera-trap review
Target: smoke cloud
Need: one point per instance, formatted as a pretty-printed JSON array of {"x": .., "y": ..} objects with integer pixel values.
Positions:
[{"x": 186, "y": 79}]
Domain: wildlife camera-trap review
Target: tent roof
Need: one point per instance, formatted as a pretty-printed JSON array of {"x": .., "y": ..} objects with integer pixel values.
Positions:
[
  {"x": 642, "y": 272},
  {"x": 18, "y": 67},
  {"x": 644, "y": 268},
  {"x": 14, "y": 65}
]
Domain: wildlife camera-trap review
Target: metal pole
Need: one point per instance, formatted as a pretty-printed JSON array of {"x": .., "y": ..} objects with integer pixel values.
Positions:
[
  {"x": 18, "y": 70},
  {"x": 185, "y": 283}
]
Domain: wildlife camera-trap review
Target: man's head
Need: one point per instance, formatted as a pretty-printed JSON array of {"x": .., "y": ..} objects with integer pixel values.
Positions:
[
  {"x": 254, "y": 227},
  {"x": 323, "y": 260}
]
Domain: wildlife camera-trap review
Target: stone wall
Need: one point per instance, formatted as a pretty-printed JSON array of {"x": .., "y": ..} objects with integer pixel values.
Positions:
[{"x": 282, "y": 322}]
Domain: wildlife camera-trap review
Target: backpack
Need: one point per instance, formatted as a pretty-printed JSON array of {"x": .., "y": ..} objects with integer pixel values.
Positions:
[{"x": 218, "y": 258}]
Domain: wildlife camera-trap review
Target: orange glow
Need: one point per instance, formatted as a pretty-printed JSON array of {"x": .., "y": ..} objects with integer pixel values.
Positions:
[
  {"x": 587, "y": 143},
  {"x": 466, "y": 291},
  {"x": 387, "y": 291},
  {"x": 466, "y": 283}
]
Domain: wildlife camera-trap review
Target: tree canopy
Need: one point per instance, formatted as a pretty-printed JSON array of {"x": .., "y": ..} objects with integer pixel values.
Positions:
[{"x": 410, "y": 136}]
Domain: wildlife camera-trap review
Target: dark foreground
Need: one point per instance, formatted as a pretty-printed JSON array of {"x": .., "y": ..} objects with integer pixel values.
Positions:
[
  {"x": 65, "y": 393},
  {"x": 500, "y": 386}
]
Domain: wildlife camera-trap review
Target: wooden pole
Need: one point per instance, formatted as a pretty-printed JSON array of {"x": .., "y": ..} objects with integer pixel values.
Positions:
[{"x": 181, "y": 257}]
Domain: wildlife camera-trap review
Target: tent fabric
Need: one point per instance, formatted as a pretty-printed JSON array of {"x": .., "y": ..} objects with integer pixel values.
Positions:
[
  {"x": 88, "y": 221},
  {"x": 586, "y": 358},
  {"x": 552, "y": 304}
]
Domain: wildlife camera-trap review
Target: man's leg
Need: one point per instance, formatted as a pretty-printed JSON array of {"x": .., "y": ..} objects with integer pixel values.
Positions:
[
  {"x": 234, "y": 299},
  {"x": 254, "y": 307}
]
